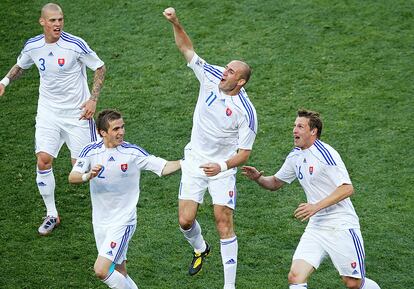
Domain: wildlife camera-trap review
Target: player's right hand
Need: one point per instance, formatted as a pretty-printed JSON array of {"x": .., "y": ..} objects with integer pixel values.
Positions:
[
  {"x": 95, "y": 171},
  {"x": 170, "y": 14}
]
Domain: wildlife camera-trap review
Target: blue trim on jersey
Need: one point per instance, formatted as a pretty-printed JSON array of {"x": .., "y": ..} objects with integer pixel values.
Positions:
[
  {"x": 249, "y": 109},
  {"x": 213, "y": 71},
  {"x": 214, "y": 98},
  {"x": 124, "y": 242},
  {"x": 359, "y": 251},
  {"x": 132, "y": 146},
  {"x": 90, "y": 147},
  {"x": 228, "y": 242},
  {"x": 325, "y": 153},
  {"x": 34, "y": 39},
  {"x": 68, "y": 38}
]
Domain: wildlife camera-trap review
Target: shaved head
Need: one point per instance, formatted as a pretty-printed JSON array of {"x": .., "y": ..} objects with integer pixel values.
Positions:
[
  {"x": 245, "y": 71},
  {"x": 51, "y": 7}
]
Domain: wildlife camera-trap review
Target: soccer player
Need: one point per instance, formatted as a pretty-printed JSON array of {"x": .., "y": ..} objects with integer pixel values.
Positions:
[
  {"x": 224, "y": 129},
  {"x": 113, "y": 168},
  {"x": 333, "y": 229},
  {"x": 65, "y": 106}
]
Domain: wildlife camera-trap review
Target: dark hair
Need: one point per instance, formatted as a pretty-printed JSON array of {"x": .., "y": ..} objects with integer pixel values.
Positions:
[
  {"x": 314, "y": 118},
  {"x": 104, "y": 117}
]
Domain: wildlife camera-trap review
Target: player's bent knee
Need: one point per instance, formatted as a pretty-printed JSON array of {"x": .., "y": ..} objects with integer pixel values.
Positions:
[
  {"x": 185, "y": 223},
  {"x": 294, "y": 277},
  {"x": 44, "y": 161}
]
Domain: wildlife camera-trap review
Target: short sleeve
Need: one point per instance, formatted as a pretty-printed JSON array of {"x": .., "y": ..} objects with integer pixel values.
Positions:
[
  {"x": 338, "y": 174},
  {"x": 246, "y": 136},
  {"x": 24, "y": 60},
  {"x": 151, "y": 163},
  {"x": 82, "y": 165},
  {"x": 197, "y": 65},
  {"x": 287, "y": 172},
  {"x": 91, "y": 60}
]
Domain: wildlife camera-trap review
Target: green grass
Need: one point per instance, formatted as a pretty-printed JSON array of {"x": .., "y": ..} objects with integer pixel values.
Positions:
[{"x": 350, "y": 60}]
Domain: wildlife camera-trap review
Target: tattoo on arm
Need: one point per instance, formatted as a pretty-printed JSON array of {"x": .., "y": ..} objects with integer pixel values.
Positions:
[
  {"x": 15, "y": 73},
  {"x": 98, "y": 81}
]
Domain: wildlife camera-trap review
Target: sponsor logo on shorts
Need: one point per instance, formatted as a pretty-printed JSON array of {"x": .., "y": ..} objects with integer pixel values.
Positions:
[
  {"x": 61, "y": 61},
  {"x": 109, "y": 253},
  {"x": 228, "y": 111},
  {"x": 355, "y": 272},
  {"x": 113, "y": 245},
  {"x": 124, "y": 167}
]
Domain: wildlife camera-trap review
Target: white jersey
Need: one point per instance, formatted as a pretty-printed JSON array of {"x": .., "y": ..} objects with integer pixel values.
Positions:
[
  {"x": 320, "y": 170},
  {"x": 221, "y": 123},
  {"x": 62, "y": 70},
  {"x": 115, "y": 191}
]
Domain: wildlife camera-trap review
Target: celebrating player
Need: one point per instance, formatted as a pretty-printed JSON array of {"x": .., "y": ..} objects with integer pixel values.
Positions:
[
  {"x": 65, "y": 107},
  {"x": 113, "y": 167},
  {"x": 224, "y": 129},
  {"x": 333, "y": 229}
]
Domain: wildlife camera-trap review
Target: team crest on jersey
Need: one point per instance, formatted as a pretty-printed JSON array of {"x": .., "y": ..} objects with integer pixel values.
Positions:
[
  {"x": 353, "y": 265},
  {"x": 231, "y": 194},
  {"x": 113, "y": 245},
  {"x": 228, "y": 111},
  {"x": 61, "y": 61},
  {"x": 124, "y": 167},
  {"x": 311, "y": 170}
]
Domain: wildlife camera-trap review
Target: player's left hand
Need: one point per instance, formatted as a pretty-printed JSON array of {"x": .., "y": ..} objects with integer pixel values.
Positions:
[
  {"x": 305, "y": 211},
  {"x": 89, "y": 108},
  {"x": 211, "y": 169}
]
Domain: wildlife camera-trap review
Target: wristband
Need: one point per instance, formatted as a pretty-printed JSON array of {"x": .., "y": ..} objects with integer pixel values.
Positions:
[
  {"x": 223, "y": 166},
  {"x": 5, "y": 81},
  {"x": 86, "y": 177}
]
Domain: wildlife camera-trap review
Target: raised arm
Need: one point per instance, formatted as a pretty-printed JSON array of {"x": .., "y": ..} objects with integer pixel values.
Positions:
[
  {"x": 182, "y": 40},
  {"x": 270, "y": 182},
  {"x": 89, "y": 107},
  {"x": 14, "y": 73}
]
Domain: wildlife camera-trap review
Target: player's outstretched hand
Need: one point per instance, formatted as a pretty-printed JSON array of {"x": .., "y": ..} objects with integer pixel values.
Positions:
[
  {"x": 251, "y": 172},
  {"x": 170, "y": 15}
]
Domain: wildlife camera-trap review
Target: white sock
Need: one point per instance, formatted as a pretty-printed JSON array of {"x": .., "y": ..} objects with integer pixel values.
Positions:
[
  {"x": 369, "y": 284},
  {"x": 298, "y": 286},
  {"x": 46, "y": 183},
  {"x": 116, "y": 280},
  {"x": 131, "y": 282},
  {"x": 194, "y": 237},
  {"x": 229, "y": 248}
]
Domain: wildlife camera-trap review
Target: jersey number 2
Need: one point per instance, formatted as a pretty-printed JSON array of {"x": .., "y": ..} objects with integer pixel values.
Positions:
[{"x": 101, "y": 172}]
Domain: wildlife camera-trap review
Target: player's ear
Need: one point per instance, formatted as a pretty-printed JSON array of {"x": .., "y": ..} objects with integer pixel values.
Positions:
[
  {"x": 42, "y": 21},
  {"x": 241, "y": 82}
]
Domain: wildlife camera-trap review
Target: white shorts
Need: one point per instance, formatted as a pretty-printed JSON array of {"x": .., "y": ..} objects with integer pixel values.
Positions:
[
  {"x": 194, "y": 183},
  {"x": 53, "y": 130},
  {"x": 112, "y": 242},
  {"x": 344, "y": 247}
]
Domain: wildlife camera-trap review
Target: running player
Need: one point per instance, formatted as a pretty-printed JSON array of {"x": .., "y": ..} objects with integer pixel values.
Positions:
[
  {"x": 113, "y": 167},
  {"x": 65, "y": 106},
  {"x": 333, "y": 229}
]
